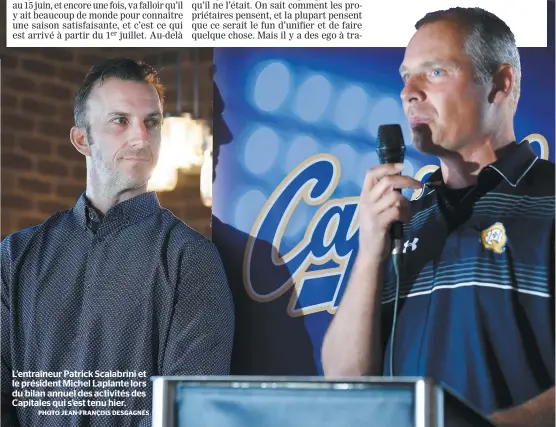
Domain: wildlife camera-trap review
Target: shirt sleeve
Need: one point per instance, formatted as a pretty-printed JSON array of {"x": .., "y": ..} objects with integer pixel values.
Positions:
[
  {"x": 9, "y": 418},
  {"x": 200, "y": 335}
]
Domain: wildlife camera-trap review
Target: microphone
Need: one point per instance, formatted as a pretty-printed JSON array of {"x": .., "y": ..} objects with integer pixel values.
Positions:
[{"x": 391, "y": 149}]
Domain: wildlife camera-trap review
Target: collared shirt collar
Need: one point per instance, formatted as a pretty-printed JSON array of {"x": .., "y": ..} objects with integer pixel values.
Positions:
[
  {"x": 512, "y": 166},
  {"x": 130, "y": 210}
]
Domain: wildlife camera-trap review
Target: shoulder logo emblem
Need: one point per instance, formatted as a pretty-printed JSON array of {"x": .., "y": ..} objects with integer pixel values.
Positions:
[{"x": 495, "y": 238}]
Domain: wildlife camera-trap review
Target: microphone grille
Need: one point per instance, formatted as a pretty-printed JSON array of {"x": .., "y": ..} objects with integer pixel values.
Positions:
[{"x": 390, "y": 144}]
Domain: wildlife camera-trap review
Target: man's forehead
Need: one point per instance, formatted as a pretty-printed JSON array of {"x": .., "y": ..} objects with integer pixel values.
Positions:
[
  {"x": 124, "y": 92},
  {"x": 434, "y": 42}
]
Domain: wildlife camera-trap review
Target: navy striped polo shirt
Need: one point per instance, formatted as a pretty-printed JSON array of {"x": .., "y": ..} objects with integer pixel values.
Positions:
[{"x": 476, "y": 298}]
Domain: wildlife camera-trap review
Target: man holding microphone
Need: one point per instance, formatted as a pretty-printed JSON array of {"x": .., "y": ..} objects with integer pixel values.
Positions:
[{"x": 471, "y": 304}]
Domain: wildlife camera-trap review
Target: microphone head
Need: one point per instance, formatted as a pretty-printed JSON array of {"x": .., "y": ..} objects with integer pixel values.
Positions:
[{"x": 390, "y": 146}]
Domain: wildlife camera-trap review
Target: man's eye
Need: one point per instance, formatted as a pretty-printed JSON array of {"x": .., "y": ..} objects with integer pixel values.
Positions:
[
  {"x": 153, "y": 124},
  {"x": 119, "y": 120},
  {"x": 437, "y": 72}
]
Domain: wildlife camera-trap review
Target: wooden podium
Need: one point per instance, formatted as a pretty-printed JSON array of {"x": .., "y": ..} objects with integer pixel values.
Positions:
[{"x": 307, "y": 402}]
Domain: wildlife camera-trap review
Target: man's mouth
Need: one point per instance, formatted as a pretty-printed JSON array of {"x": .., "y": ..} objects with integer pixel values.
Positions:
[
  {"x": 418, "y": 120},
  {"x": 137, "y": 158}
]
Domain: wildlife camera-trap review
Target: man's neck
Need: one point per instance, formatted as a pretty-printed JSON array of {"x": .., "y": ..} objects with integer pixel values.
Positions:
[
  {"x": 461, "y": 169},
  {"x": 103, "y": 200}
]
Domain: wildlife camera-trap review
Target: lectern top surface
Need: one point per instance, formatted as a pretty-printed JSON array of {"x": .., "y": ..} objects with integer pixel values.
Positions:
[{"x": 295, "y": 379}]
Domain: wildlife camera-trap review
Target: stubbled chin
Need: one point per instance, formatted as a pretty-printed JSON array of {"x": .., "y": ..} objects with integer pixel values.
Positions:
[
  {"x": 138, "y": 173},
  {"x": 136, "y": 165},
  {"x": 422, "y": 138}
]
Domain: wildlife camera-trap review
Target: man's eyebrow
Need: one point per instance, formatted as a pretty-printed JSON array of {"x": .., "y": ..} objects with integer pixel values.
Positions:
[
  {"x": 156, "y": 114},
  {"x": 425, "y": 65}
]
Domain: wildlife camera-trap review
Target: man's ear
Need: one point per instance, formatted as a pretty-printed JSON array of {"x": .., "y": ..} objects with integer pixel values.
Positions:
[
  {"x": 502, "y": 84},
  {"x": 78, "y": 137}
]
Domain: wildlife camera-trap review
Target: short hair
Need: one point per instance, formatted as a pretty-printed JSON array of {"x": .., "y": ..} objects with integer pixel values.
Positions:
[
  {"x": 489, "y": 43},
  {"x": 120, "y": 68}
]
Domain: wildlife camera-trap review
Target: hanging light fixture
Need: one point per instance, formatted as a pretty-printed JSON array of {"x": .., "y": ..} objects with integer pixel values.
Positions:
[
  {"x": 182, "y": 137},
  {"x": 206, "y": 171},
  {"x": 186, "y": 141},
  {"x": 165, "y": 174},
  {"x": 186, "y": 131}
]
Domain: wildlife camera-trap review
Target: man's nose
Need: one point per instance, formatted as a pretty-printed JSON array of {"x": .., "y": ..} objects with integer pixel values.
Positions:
[
  {"x": 413, "y": 91},
  {"x": 139, "y": 135}
]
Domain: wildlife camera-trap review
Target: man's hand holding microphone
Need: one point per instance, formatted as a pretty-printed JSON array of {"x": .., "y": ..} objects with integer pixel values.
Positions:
[
  {"x": 353, "y": 345},
  {"x": 381, "y": 204}
]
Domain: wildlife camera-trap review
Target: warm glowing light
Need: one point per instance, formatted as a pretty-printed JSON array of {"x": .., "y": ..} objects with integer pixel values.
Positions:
[
  {"x": 206, "y": 172},
  {"x": 185, "y": 137},
  {"x": 165, "y": 174},
  {"x": 183, "y": 140}
]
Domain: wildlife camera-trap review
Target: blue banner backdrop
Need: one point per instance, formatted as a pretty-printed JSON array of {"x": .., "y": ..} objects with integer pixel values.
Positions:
[{"x": 294, "y": 134}]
